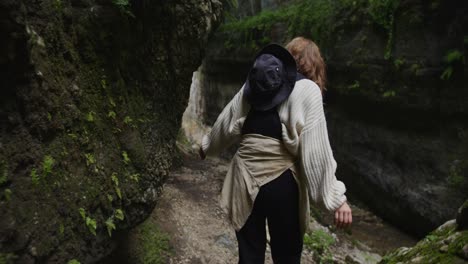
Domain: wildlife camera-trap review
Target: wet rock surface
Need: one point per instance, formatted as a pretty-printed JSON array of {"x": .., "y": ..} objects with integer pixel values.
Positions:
[
  {"x": 92, "y": 93},
  {"x": 446, "y": 244}
]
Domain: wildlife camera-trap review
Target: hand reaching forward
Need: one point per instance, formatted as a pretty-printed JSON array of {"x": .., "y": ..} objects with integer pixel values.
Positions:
[{"x": 343, "y": 216}]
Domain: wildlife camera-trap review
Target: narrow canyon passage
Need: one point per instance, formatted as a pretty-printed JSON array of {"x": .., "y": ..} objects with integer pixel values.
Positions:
[{"x": 198, "y": 232}]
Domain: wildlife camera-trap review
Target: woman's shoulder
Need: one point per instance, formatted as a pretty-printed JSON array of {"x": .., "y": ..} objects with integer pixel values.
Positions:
[{"x": 305, "y": 90}]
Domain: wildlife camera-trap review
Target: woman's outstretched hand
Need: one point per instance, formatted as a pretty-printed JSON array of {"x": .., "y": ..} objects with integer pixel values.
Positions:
[
  {"x": 343, "y": 216},
  {"x": 201, "y": 153}
]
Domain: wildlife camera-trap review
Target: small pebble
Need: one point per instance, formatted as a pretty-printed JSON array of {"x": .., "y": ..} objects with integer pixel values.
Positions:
[
  {"x": 443, "y": 249},
  {"x": 465, "y": 252}
]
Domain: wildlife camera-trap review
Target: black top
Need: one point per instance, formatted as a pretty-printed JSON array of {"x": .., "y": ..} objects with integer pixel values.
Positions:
[{"x": 266, "y": 123}]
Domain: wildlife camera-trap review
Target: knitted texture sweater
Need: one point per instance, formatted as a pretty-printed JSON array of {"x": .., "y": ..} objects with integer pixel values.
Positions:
[{"x": 304, "y": 133}]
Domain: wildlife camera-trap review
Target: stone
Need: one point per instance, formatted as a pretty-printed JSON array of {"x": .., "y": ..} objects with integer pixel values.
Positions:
[
  {"x": 77, "y": 81},
  {"x": 226, "y": 242},
  {"x": 417, "y": 259},
  {"x": 444, "y": 249},
  {"x": 465, "y": 252}
]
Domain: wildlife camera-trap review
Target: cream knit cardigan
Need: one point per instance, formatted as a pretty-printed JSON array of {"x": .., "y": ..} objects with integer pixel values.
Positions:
[{"x": 304, "y": 133}]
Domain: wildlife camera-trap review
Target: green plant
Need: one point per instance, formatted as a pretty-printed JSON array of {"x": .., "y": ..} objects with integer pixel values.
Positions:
[
  {"x": 152, "y": 245},
  {"x": 90, "y": 222},
  {"x": 415, "y": 68},
  {"x": 319, "y": 241},
  {"x": 110, "y": 226},
  {"x": 103, "y": 80},
  {"x": 112, "y": 114},
  {"x": 450, "y": 58},
  {"x": 447, "y": 74},
  {"x": 82, "y": 213},
  {"x": 115, "y": 180},
  {"x": 431, "y": 237},
  {"x": 135, "y": 177},
  {"x": 355, "y": 85},
  {"x": 73, "y": 261},
  {"x": 125, "y": 157},
  {"x": 383, "y": 13},
  {"x": 7, "y": 258},
  {"x": 34, "y": 176},
  {"x": 124, "y": 6},
  {"x": 119, "y": 193},
  {"x": 90, "y": 116},
  {"x": 398, "y": 63},
  {"x": 47, "y": 165},
  {"x": 3, "y": 173},
  {"x": 89, "y": 159},
  {"x": 61, "y": 228},
  {"x": 119, "y": 214},
  {"x": 453, "y": 56},
  {"x": 58, "y": 4},
  {"x": 112, "y": 102},
  {"x": 7, "y": 194},
  {"x": 389, "y": 93},
  {"x": 456, "y": 179},
  {"x": 127, "y": 120}
]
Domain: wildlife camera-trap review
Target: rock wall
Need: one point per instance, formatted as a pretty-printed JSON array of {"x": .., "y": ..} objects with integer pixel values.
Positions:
[
  {"x": 92, "y": 94},
  {"x": 396, "y": 103},
  {"x": 397, "y": 125},
  {"x": 447, "y": 244}
]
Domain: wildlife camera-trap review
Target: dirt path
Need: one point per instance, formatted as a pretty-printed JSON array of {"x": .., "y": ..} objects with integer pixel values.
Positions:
[{"x": 188, "y": 211}]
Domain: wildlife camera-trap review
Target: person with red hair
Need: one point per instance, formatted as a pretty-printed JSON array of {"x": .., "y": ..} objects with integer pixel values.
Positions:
[{"x": 284, "y": 160}]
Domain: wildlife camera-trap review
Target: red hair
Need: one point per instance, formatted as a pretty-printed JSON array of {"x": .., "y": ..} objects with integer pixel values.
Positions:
[{"x": 309, "y": 60}]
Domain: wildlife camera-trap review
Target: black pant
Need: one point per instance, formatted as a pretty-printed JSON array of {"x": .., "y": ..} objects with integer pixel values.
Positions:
[{"x": 277, "y": 201}]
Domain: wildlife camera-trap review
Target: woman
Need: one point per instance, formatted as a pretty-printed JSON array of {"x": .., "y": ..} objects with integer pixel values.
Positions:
[{"x": 284, "y": 158}]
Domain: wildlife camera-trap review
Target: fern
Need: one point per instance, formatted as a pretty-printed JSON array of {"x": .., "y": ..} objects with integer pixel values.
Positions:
[
  {"x": 47, "y": 165},
  {"x": 119, "y": 214}
]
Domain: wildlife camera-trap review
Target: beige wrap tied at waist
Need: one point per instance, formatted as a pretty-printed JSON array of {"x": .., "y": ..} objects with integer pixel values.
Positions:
[{"x": 259, "y": 160}]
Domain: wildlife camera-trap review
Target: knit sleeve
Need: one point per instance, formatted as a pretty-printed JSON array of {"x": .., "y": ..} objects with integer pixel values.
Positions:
[
  {"x": 226, "y": 128},
  {"x": 317, "y": 161}
]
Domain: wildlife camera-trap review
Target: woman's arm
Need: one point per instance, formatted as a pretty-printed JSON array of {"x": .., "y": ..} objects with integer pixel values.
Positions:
[
  {"x": 317, "y": 161},
  {"x": 226, "y": 129}
]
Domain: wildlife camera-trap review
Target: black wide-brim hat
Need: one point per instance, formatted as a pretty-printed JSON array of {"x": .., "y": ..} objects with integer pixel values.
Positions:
[{"x": 287, "y": 76}]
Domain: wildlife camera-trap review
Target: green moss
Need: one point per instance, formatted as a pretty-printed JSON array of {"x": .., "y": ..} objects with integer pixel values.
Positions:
[
  {"x": 451, "y": 58},
  {"x": 429, "y": 249},
  {"x": 304, "y": 18},
  {"x": 383, "y": 13},
  {"x": 152, "y": 244},
  {"x": 7, "y": 258},
  {"x": 93, "y": 100},
  {"x": 322, "y": 20},
  {"x": 319, "y": 242},
  {"x": 457, "y": 178},
  {"x": 3, "y": 172}
]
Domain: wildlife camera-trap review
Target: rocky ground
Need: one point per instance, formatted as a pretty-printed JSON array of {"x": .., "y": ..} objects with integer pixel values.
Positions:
[{"x": 199, "y": 233}]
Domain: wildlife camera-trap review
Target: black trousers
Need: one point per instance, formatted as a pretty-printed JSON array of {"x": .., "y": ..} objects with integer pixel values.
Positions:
[{"x": 278, "y": 203}]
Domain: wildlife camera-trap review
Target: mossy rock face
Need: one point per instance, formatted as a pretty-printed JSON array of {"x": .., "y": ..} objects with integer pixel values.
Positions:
[
  {"x": 90, "y": 106},
  {"x": 445, "y": 245}
]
